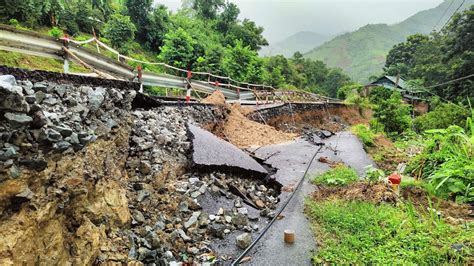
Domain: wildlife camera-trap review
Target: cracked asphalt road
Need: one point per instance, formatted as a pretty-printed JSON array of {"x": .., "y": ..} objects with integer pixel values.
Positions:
[{"x": 291, "y": 160}]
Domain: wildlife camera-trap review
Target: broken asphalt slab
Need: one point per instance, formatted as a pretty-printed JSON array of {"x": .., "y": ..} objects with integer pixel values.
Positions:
[{"x": 209, "y": 151}]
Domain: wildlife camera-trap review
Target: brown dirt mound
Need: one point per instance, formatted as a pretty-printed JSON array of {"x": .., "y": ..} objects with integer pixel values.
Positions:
[
  {"x": 216, "y": 97},
  {"x": 243, "y": 132},
  {"x": 382, "y": 193}
]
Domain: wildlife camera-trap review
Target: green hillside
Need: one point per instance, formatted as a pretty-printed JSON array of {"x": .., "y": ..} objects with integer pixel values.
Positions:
[
  {"x": 302, "y": 42},
  {"x": 362, "y": 53}
]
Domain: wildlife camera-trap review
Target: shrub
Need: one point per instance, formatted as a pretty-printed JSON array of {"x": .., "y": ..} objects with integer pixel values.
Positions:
[
  {"x": 447, "y": 163},
  {"x": 341, "y": 175},
  {"x": 393, "y": 114},
  {"x": 365, "y": 134},
  {"x": 55, "y": 32},
  {"x": 378, "y": 94},
  {"x": 13, "y": 22},
  {"x": 444, "y": 115},
  {"x": 119, "y": 30}
]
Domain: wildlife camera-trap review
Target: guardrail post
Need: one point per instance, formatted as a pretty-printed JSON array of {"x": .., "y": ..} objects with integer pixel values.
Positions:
[
  {"x": 189, "y": 75},
  {"x": 139, "y": 76}
]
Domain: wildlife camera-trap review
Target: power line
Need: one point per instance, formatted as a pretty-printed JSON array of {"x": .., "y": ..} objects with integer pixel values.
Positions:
[
  {"x": 455, "y": 12},
  {"x": 451, "y": 81},
  {"x": 442, "y": 16}
]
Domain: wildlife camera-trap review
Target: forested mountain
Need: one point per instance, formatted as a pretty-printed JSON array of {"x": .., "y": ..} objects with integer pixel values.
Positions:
[
  {"x": 302, "y": 42},
  {"x": 362, "y": 53}
]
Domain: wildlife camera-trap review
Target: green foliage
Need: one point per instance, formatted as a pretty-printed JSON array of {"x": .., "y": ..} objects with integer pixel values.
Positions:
[
  {"x": 339, "y": 176},
  {"x": 439, "y": 57},
  {"x": 178, "y": 49},
  {"x": 119, "y": 30},
  {"x": 393, "y": 114},
  {"x": 13, "y": 22},
  {"x": 362, "y": 53},
  {"x": 55, "y": 32},
  {"x": 345, "y": 91},
  {"x": 379, "y": 94},
  {"x": 374, "y": 175},
  {"x": 365, "y": 134},
  {"x": 447, "y": 163},
  {"x": 444, "y": 115},
  {"x": 362, "y": 233}
]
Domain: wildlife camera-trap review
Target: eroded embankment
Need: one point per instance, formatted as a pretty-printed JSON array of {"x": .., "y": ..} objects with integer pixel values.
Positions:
[
  {"x": 301, "y": 116},
  {"x": 85, "y": 178},
  {"x": 92, "y": 174}
]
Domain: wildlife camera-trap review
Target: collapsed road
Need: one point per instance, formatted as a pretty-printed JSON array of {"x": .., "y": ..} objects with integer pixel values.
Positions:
[{"x": 96, "y": 173}]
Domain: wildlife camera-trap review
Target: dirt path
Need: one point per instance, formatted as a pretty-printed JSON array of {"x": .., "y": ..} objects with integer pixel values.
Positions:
[{"x": 292, "y": 159}]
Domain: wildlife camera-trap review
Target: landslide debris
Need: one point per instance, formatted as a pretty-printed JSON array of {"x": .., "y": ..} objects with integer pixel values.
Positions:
[
  {"x": 243, "y": 132},
  {"x": 61, "y": 172}
]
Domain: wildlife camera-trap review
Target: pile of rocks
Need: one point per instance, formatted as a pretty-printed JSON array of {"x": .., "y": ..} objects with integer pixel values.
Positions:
[
  {"x": 49, "y": 118},
  {"x": 173, "y": 218}
]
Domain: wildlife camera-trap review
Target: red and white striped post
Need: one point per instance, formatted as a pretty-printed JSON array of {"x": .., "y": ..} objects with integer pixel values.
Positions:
[{"x": 188, "y": 92}]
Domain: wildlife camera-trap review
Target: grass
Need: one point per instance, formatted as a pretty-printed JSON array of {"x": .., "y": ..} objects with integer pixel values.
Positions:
[
  {"x": 365, "y": 134},
  {"x": 341, "y": 175},
  {"x": 19, "y": 60},
  {"x": 366, "y": 233}
]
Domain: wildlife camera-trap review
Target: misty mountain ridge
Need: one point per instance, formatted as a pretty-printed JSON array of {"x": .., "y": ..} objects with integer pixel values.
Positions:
[
  {"x": 362, "y": 53},
  {"x": 302, "y": 42}
]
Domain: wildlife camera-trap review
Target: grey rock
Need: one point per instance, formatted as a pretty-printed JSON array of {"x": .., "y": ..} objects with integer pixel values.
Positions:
[
  {"x": 31, "y": 99},
  {"x": 240, "y": 219},
  {"x": 183, "y": 207},
  {"x": 183, "y": 235},
  {"x": 192, "y": 220},
  {"x": 14, "y": 171},
  {"x": 40, "y": 96},
  {"x": 64, "y": 130},
  {"x": 26, "y": 193},
  {"x": 50, "y": 135},
  {"x": 243, "y": 211},
  {"x": 217, "y": 230},
  {"x": 244, "y": 240},
  {"x": 142, "y": 195},
  {"x": 18, "y": 120},
  {"x": 96, "y": 98},
  {"x": 39, "y": 120},
  {"x": 8, "y": 79},
  {"x": 50, "y": 101},
  {"x": 40, "y": 86},
  {"x": 60, "y": 90},
  {"x": 62, "y": 146},
  {"x": 138, "y": 216},
  {"x": 144, "y": 168}
]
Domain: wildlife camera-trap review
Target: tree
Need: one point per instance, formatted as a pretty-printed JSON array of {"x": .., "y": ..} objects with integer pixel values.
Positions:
[
  {"x": 228, "y": 17},
  {"x": 239, "y": 61},
  {"x": 249, "y": 33},
  {"x": 157, "y": 28},
  {"x": 393, "y": 114},
  {"x": 178, "y": 49},
  {"x": 139, "y": 11},
  {"x": 208, "y": 9},
  {"x": 119, "y": 30},
  {"x": 335, "y": 80},
  {"x": 401, "y": 58}
]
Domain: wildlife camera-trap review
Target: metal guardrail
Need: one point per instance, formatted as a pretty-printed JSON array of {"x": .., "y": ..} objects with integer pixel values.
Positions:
[{"x": 32, "y": 43}]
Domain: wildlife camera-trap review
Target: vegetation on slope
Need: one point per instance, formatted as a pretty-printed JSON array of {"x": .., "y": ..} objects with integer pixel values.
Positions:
[
  {"x": 204, "y": 36},
  {"x": 301, "y": 42},
  {"x": 362, "y": 53}
]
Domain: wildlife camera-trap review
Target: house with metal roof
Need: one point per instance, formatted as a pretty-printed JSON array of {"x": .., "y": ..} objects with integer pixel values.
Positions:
[{"x": 410, "y": 94}]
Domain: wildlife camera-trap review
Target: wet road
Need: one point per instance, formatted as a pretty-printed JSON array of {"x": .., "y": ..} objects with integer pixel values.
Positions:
[{"x": 291, "y": 160}]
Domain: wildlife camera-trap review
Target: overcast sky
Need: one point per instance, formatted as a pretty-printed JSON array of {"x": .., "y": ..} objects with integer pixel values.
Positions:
[{"x": 282, "y": 18}]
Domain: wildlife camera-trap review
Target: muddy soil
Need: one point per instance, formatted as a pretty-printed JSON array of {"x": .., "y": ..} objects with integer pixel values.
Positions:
[{"x": 382, "y": 193}]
